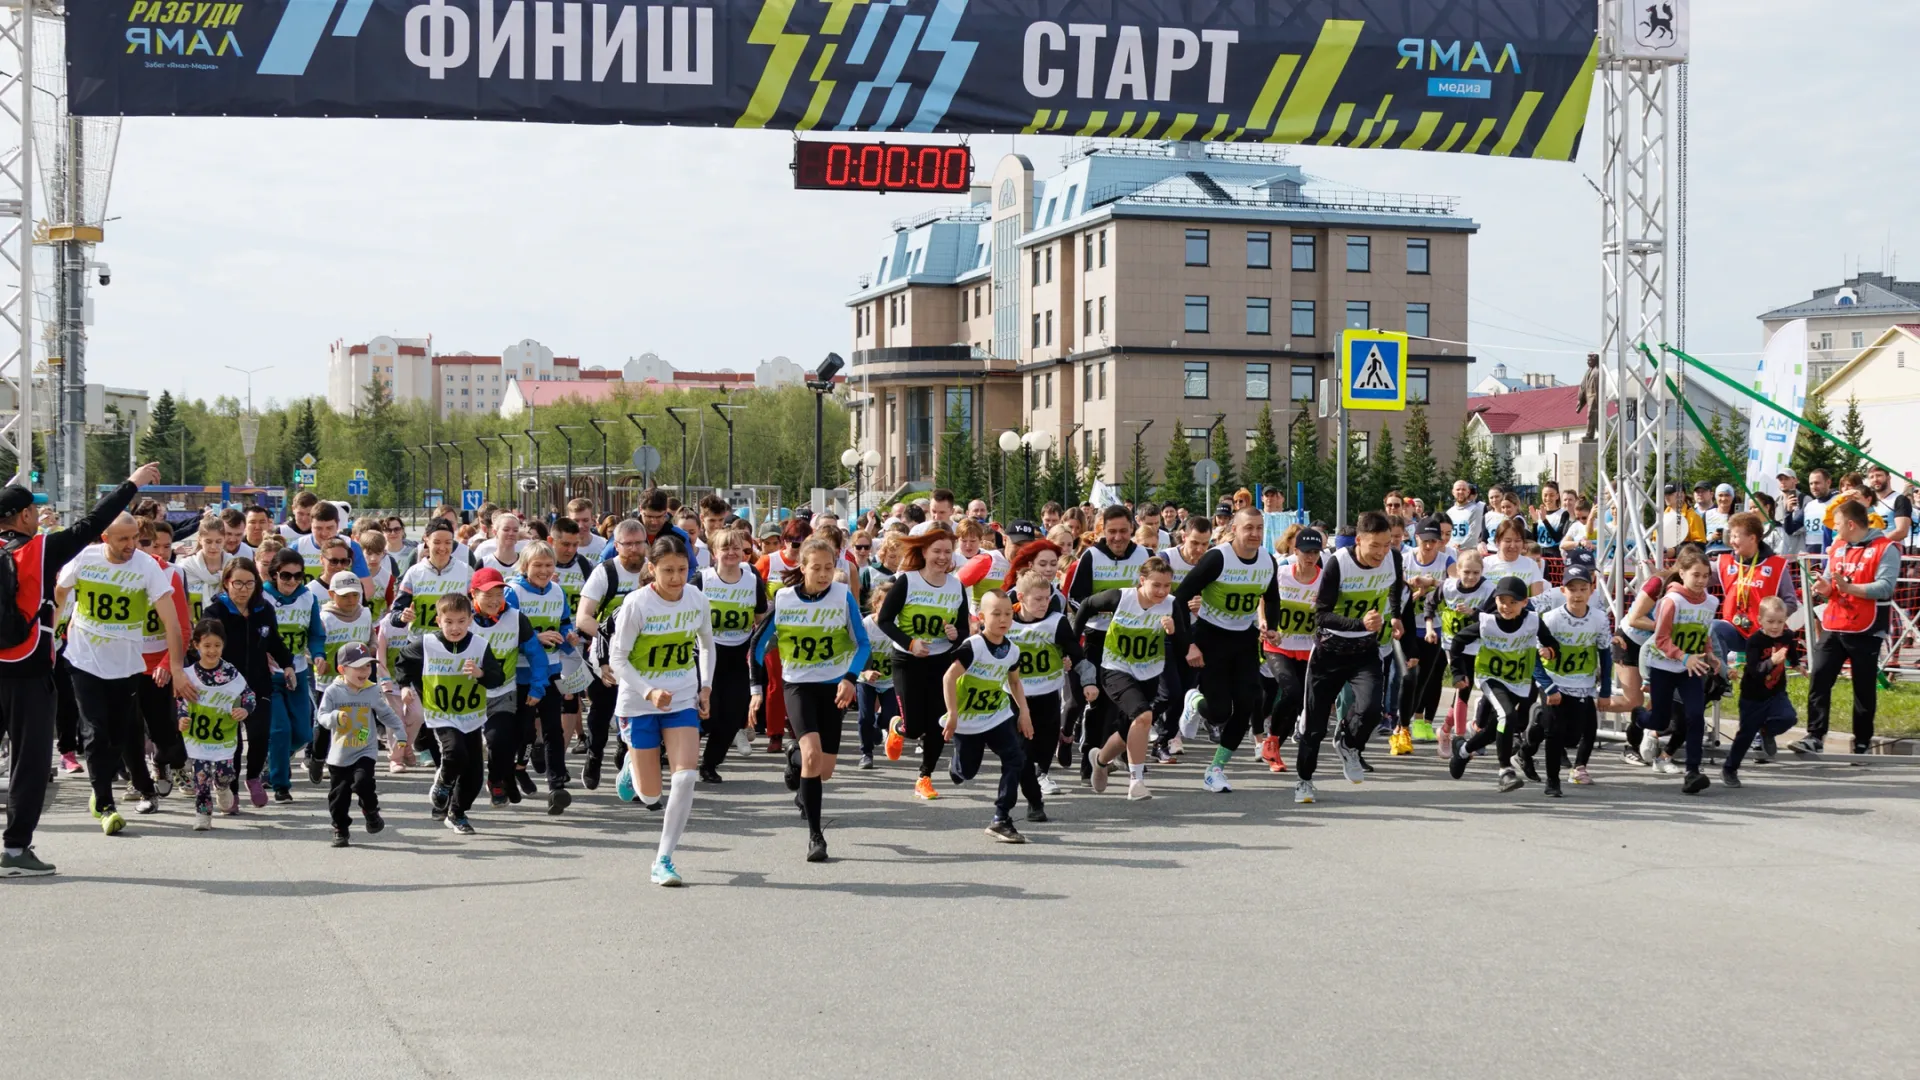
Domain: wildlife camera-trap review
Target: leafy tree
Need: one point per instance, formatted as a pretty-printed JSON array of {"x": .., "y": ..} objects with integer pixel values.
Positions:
[
  {"x": 1854, "y": 430},
  {"x": 1811, "y": 451},
  {"x": 958, "y": 469},
  {"x": 1176, "y": 475},
  {"x": 1419, "y": 472},
  {"x": 170, "y": 441},
  {"x": 1264, "y": 466}
]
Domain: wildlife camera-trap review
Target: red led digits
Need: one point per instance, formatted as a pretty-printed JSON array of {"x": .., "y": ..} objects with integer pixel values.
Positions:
[{"x": 874, "y": 166}]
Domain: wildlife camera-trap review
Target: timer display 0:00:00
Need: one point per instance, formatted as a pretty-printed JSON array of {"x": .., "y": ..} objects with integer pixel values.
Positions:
[{"x": 852, "y": 166}]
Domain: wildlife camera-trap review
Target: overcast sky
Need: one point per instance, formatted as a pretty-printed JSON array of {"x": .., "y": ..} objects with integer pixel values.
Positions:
[{"x": 252, "y": 242}]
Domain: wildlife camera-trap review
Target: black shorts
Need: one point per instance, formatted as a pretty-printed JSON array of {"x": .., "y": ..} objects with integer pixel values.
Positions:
[
  {"x": 811, "y": 711},
  {"x": 1629, "y": 656},
  {"x": 1129, "y": 695}
]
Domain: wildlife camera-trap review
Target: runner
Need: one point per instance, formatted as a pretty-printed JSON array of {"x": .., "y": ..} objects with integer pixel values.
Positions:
[
  {"x": 297, "y": 612},
  {"x": 923, "y": 617},
  {"x": 1182, "y": 679},
  {"x": 1290, "y": 647},
  {"x": 1236, "y": 586},
  {"x": 662, "y": 654},
  {"x": 823, "y": 643},
  {"x": 1509, "y": 636},
  {"x": 1681, "y": 659},
  {"x": 501, "y": 552},
  {"x": 542, "y": 605},
  {"x": 987, "y": 709},
  {"x": 513, "y": 642},
  {"x": 769, "y": 709},
  {"x": 449, "y": 669},
  {"x": 156, "y": 696},
  {"x": 1765, "y": 710},
  {"x": 201, "y": 570},
  {"x": 570, "y": 569},
  {"x": 1140, "y": 627},
  {"x": 346, "y": 621},
  {"x": 1109, "y": 564},
  {"x": 299, "y": 521},
  {"x": 738, "y": 605},
  {"x": 348, "y": 711},
  {"x": 1428, "y": 566},
  {"x": 1573, "y": 681},
  {"x": 1049, "y": 649},
  {"x": 1358, "y": 588},
  {"x": 600, "y": 600},
  {"x": 210, "y": 725},
  {"x": 581, "y": 513},
  {"x": 324, "y": 519},
  {"x": 1448, "y": 608}
]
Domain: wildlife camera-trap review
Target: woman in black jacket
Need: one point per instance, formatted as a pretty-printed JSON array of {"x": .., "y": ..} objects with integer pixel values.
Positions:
[{"x": 253, "y": 638}]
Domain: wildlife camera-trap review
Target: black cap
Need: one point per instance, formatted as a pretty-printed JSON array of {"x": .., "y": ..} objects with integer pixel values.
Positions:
[
  {"x": 1673, "y": 489},
  {"x": 1577, "y": 572},
  {"x": 1021, "y": 531},
  {"x": 1225, "y": 509},
  {"x": 1703, "y": 486},
  {"x": 1308, "y": 540},
  {"x": 14, "y": 498},
  {"x": 1511, "y": 587},
  {"x": 1429, "y": 530}
]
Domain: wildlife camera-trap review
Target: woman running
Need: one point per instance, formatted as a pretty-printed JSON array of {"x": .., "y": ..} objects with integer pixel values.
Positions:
[
  {"x": 1298, "y": 581},
  {"x": 925, "y": 614},
  {"x": 1681, "y": 657},
  {"x": 739, "y": 605},
  {"x": 769, "y": 709}
]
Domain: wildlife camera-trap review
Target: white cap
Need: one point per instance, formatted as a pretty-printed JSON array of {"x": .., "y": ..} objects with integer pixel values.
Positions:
[{"x": 345, "y": 581}]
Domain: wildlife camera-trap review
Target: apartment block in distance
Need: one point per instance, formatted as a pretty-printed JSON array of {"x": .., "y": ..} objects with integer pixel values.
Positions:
[
  {"x": 453, "y": 383},
  {"x": 1186, "y": 284}
]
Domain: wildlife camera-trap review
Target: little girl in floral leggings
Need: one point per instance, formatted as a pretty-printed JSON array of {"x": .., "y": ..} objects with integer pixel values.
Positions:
[{"x": 210, "y": 726}]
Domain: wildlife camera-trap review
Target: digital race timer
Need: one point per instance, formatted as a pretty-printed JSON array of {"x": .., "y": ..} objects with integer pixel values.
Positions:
[{"x": 876, "y": 166}]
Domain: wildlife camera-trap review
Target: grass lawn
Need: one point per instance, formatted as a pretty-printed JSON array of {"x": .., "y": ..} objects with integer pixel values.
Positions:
[{"x": 1897, "y": 713}]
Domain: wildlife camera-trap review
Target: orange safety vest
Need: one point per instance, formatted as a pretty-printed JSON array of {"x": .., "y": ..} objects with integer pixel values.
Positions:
[
  {"x": 1855, "y": 564},
  {"x": 1762, "y": 580},
  {"x": 30, "y": 573}
]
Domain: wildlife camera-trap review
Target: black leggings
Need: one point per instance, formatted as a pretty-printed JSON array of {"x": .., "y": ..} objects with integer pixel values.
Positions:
[
  {"x": 1501, "y": 719},
  {"x": 1420, "y": 690},
  {"x": 600, "y": 701},
  {"x": 919, "y": 683},
  {"x": 552, "y": 735},
  {"x": 163, "y": 726},
  {"x": 1044, "y": 709},
  {"x": 1572, "y": 722},
  {"x": 1290, "y": 685},
  {"x": 503, "y": 740},
  {"x": 115, "y": 735},
  {"x": 727, "y": 709},
  {"x": 1230, "y": 681},
  {"x": 462, "y": 768},
  {"x": 1350, "y": 662}
]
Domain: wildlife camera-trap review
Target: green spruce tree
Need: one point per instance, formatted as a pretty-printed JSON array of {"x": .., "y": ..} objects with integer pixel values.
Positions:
[
  {"x": 1383, "y": 470},
  {"x": 1176, "y": 476},
  {"x": 1264, "y": 465},
  {"x": 1137, "y": 485},
  {"x": 1419, "y": 472},
  {"x": 957, "y": 469},
  {"x": 1468, "y": 461},
  {"x": 1222, "y": 454},
  {"x": 1811, "y": 451},
  {"x": 1853, "y": 430},
  {"x": 1303, "y": 450}
]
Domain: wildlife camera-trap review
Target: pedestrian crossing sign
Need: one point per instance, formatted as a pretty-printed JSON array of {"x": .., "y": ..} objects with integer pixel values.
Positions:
[{"x": 1373, "y": 370}]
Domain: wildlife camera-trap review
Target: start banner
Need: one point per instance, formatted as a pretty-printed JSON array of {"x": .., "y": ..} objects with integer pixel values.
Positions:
[{"x": 1498, "y": 77}]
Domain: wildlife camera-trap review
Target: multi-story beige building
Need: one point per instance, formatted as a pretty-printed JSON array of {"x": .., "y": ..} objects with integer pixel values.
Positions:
[
  {"x": 452, "y": 382},
  {"x": 1846, "y": 318},
  {"x": 1185, "y": 284}
]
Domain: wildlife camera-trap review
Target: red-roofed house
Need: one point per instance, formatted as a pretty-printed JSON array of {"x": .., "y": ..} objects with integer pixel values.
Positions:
[
  {"x": 453, "y": 382},
  {"x": 1530, "y": 426}
]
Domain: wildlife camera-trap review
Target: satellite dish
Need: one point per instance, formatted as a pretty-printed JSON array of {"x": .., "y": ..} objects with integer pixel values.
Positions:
[{"x": 529, "y": 484}]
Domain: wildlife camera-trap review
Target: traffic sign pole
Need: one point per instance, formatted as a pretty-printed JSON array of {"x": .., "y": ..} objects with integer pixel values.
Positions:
[{"x": 1340, "y": 471}]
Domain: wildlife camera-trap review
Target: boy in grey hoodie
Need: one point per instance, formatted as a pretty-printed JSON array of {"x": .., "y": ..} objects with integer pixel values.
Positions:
[{"x": 348, "y": 710}]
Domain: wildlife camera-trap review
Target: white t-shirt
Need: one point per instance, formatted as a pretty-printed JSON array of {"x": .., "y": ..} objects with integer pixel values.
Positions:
[
  {"x": 593, "y": 545},
  {"x": 111, "y": 601}
]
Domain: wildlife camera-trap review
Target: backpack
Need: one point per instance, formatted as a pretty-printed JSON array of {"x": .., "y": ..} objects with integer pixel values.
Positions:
[
  {"x": 15, "y": 626},
  {"x": 597, "y": 656}
]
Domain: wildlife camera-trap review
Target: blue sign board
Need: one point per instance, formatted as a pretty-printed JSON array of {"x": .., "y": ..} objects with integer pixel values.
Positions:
[
  {"x": 357, "y": 487},
  {"x": 471, "y": 498},
  {"x": 1373, "y": 368}
]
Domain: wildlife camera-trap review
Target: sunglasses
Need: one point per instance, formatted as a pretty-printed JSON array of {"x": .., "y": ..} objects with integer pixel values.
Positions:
[
  {"x": 339, "y": 562},
  {"x": 295, "y": 576},
  {"x": 863, "y": 547}
]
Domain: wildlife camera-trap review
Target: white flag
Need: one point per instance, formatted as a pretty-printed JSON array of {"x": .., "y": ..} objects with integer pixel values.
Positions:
[{"x": 1782, "y": 379}]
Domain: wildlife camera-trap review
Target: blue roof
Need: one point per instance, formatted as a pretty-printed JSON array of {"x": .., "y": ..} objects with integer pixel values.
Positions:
[{"x": 1187, "y": 181}]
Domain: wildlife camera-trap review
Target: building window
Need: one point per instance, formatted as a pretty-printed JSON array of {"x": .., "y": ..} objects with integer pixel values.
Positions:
[
  {"x": 1303, "y": 318},
  {"x": 1036, "y": 329},
  {"x": 919, "y": 432},
  {"x": 1086, "y": 255},
  {"x": 1036, "y": 392},
  {"x": 1196, "y": 314},
  {"x": 1302, "y": 387},
  {"x": 1363, "y": 445},
  {"x": 1049, "y": 262},
  {"x": 1259, "y": 380},
  {"x": 1100, "y": 445},
  {"x": 1303, "y": 253},
  {"x": 1416, "y": 386},
  {"x": 1196, "y": 378},
  {"x": 1540, "y": 443},
  {"x": 1259, "y": 315},
  {"x": 1036, "y": 266},
  {"x": 1102, "y": 321},
  {"x": 1086, "y": 445},
  {"x": 1260, "y": 251},
  {"x": 1196, "y": 247},
  {"x": 1417, "y": 325},
  {"x": 1103, "y": 380},
  {"x": 1086, "y": 381},
  {"x": 963, "y": 307},
  {"x": 1049, "y": 389},
  {"x": 1103, "y": 248},
  {"x": 1859, "y": 339},
  {"x": 1359, "y": 254},
  {"x": 1826, "y": 342},
  {"x": 960, "y": 403},
  {"x": 1049, "y": 327},
  {"x": 1048, "y": 220},
  {"x": 1086, "y": 316},
  {"x": 976, "y": 301},
  {"x": 1359, "y": 315},
  {"x": 1418, "y": 257}
]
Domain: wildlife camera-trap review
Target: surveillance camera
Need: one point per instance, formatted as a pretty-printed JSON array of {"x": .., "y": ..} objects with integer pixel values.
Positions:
[{"x": 106, "y": 273}]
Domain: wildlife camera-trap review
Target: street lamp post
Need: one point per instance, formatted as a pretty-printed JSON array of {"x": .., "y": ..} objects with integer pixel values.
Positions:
[
  {"x": 451, "y": 485},
  {"x": 857, "y": 463},
  {"x": 634, "y": 418},
  {"x": 506, "y": 449},
  {"x": 486, "y": 481},
  {"x": 1031, "y": 443},
  {"x": 561, "y": 430},
  {"x": 1066, "y": 473},
  {"x": 606, "y": 495},
  {"x": 673, "y": 412},
  {"x": 249, "y": 424},
  {"x": 533, "y": 442},
  {"x": 1138, "y": 453},
  {"x": 725, "y": 409},
  {"x": 406, "y": 494}
]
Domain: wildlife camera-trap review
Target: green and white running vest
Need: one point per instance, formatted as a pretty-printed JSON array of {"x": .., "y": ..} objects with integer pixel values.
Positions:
[
  {"x": 295, "y": 617},
  {"x": 816, "y": 639},
  {"x": 1575, "y": 667},
  {"x": 1507, "y": 656},
  {"x": 926, "y": 612},
  {"x": 1690, "y": 622},
  {"x": 1112, "y": 573},
  {"x": 1042, "y": 666},
  {"x": 1181, "y": 567},
  {"x": 995, "y": 579},
  {"x": 1232, "y": 601},
  {"x": 1136, "y": 643},
  {"x": 342, "y": 632},
  {"x": 1299, "y": 609},
  {"x": 427, "y": 585},
  {"x": 503, "y": 641},
  {"x": 981, "y": 694},
  {"x": 731, "y": 605},
  {"x": 450, "y": 697},
  {"x": 543, "y": 611},
  {"x": 666, "y": 643},
  {"x": 212, "y": 734},
  {"x": 1458, "y": 606},
  {"x": 1364, "y": 589}
]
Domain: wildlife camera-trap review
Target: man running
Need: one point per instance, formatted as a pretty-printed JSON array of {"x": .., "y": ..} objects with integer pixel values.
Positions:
[
  {"x": 1359, "y": 588},
  {"x": 1234, "y": 583}
]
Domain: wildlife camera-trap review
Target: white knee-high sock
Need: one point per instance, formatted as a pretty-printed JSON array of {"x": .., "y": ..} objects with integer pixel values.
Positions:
[{"x": 679, "y": 809}]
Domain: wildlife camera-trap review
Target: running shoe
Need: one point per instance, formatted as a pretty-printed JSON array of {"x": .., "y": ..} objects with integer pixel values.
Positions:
[
  {"x": 339, "y": 838},
  {"x": 375, "y": 822},
  {"x": 1048, "y": 785},
  {"x": 1808, "y": 746},
  {"x": 1163, "y": 756},
  {"x": 111, "y": 822},
  {"x": 281, "y": 794},
  {"x": 773, "y": 747},
  {"x": 524, "y": 782},
  {"x": 1631, "y": 756},
  {"x": 1037, "y": 814},
  {"x": 1767, "y": 750},
  {"x": 1350, "y": 762},
  {"x": 866, "y": 761},
  {"x": 1457, "y": 761},
  {"x": 1649, "y": 746},
  {"x": 25, "y": 864},
  {"x": 396, "y": 767},
  {"x": 257, "y": 793},
  {"x": 146, "y": 805},
  {"x": 497, "y": 797},
  {"x": 792, "y": 776},
  {"x": 590, "y": 772},
  {"x": 1695, "y": 784},
  {"x": 1422, "y": 731},
  {"x": 896, "y": 741},
  {"x": 1581, "y": 775},
  {"x": 1510, "y": 780},
  {"x": 1098, "y": 777},
  {"x": 537, "y": 759},
  {"x": 1190, "y": 717},
  {"x": 1445, "y": 738},
  {"x": 1665, "y": 764},
  {"x": 665, "y": 874},
  {"x": 1303, "y": 792},
  {"x": 69, "y": 763},
  {"x": 162, "y": 783},
  {"x": 1365, "y": 765},
  {"x": 1266, "y": 744},
  {"x": 1552, "y": 790},
  {"x": 1730, "y": 778},
  {"x": 1400, "y": 743},
  {"x": 438, "y": 800},
  {"x": 228, "y": 801},
  {"x": 1005, "y": 833},
  {"x": 1175, "y": 746},
  {"x": 1137, "y": 791},
  {"x": 457, "y": 822},
  {"x": 743, "y": 743},
  {"x": 817, "y": 848},
  {"x": 923, "y": 788},
  {"x": 203, "y": 821},
  {"x": 316, "y": 769},
  {"x": 623, "y": 785},
  {"x": 1215, "y": 780},
  {"x": 1526, "y": 766},
  {"x": 710, "y": 775},
  {"x": 557, "y": 802}
]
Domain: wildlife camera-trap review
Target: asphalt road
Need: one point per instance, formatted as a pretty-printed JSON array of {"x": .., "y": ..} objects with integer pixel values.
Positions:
[{"x": 1413, "y": 926}]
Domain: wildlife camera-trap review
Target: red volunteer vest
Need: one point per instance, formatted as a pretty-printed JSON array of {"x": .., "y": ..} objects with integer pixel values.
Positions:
[
  {"x": 1763, "y": 580},
  {"x": 29, "y": 571},
  {"x": 1856, "y": 564}
]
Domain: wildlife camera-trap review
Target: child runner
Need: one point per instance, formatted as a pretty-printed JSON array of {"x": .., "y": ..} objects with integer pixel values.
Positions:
[
  {"x": 1110, "y": 564},
  {"x": 1182, "y": 678},
  {"x": 878, "y": 704},
  {"x": 1142, "y": 627},
  {"x": 1291, "y": 648},
  {"x": 1574, "y": 680},
  {"x": 450, "y": 670},
  {"x": 1428, "y": 568},
  {"x": 769, "y": 707},
  {"x": 542, "y": 605},
  {"x": 1509, "y": 635},
  {"x": 925, "y": 614},
  {"x": 1455, "y": 603},
  {"x": 347, "y": 622},
  {"x": 570, "y": 568},
  {"x": 600, "y": 599},
  {"x": 823, "y": 645},
  {"x": 1765, "y": 709},
  {"x": 210, "y": 724},
  {"x": 987, "y": 709},
  {"x": 738, "y": 605},
  {"x": 1236, "y": 585},
  {"x": 1681, "y": 657},
  {"x": 662, "y": 654},
  {"x": 512, "y": 641},
  {"x": 1360, "y": 589},
  {"x": 1048, "y": 650},
  {"x": 348, "y": 709}
]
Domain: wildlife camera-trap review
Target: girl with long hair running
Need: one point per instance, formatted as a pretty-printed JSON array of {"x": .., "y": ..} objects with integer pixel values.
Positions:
[{"x": 924, "y": 615}]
